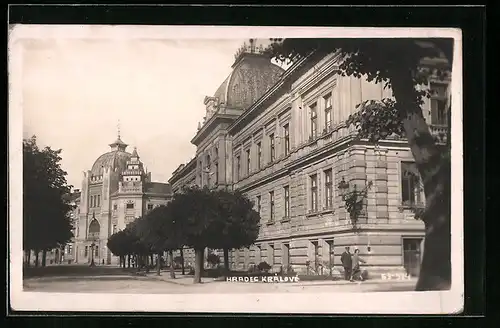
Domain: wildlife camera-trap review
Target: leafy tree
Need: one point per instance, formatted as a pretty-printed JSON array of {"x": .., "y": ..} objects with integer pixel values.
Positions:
[
  {"x": 158, "y": 231},
  {"x": 238, "y": 225},
  {"x": 195, "y": 214},
  {"x": 46, "y": 207},
  {"x": 118, "y": 245},
  {"x": 402, "y": 65}
]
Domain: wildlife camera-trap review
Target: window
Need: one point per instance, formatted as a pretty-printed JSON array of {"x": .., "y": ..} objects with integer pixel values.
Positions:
[
  {"x": 328, "y": 189},
  {"x": 328, "y": 111},
  {"x": 216, "y": 152},
  {"x": 115, "y": 207},
  {"x": 216, "y": 172},
  {"x": 438, "y": 104},
  {"x": 258, "y": 204},
  {"x": 208, "y": 170},
  {"x": 150, "y": 207},
  {"x": 271, "y": 205},
  {"x": 286, "y": 190},
  {"x": 314, "y": 120},
  {"x": 259, "y": 155},
  {"x": 286, "y": 129},
  {"x": 91, "y": 201},
  {"x": 70, "y": 249},
  {"x": 96, "y": 251},
  {"x": 272, "y": 147},
  {"x": 314, "y": 193},
  {"x": 114, "y": 228},
  {"x": 130, "y": 205},
  {"x": 410, "y": 184},
  {"x": 249, "y": 163},
  {"x": 238, "y": 167},
  {"x": 98, "y": 200},
  {"x": 86, "y": 253}
]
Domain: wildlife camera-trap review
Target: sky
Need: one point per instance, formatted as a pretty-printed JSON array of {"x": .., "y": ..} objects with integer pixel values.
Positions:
[{"x": 75, "y": 92}]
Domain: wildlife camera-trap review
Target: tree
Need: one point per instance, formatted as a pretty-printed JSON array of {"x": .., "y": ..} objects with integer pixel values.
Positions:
[
  {"x": 238, "y": 225},
  {"x": 46, "y": 207},
  {"x": 194, "y": 216},
  {"x": 117, "y": 244},
  {"x": 158, "y": 230},
  {"x": 402, "y": 65}
]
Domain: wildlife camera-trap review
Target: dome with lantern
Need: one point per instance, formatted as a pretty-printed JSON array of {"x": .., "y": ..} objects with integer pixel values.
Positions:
[
  {"x": 252, "y": 75},
  {"x": 116, "y": 159}
]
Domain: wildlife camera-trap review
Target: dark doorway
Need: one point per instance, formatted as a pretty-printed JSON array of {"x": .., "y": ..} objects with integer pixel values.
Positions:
[{"x": 412, "y": 255}]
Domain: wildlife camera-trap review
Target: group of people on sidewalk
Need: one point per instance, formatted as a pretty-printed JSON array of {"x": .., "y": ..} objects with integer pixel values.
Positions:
[{"x": 351, "y": 263}]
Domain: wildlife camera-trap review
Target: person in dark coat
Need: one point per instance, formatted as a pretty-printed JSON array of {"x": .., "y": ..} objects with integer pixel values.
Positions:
[{"x": 346, "y": 260}]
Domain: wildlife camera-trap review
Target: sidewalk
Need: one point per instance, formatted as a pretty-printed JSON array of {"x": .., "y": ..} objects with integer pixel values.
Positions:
[{"x": 188, "y": 281}]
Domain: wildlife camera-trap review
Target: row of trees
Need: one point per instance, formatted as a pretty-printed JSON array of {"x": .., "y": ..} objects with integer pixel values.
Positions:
[
  {"x": 196, "y": 218},
  {"x": 46, "y": 202}
]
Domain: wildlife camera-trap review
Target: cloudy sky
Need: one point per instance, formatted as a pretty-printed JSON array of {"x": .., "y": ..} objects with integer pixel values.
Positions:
[{"x": 76, "y": 90}]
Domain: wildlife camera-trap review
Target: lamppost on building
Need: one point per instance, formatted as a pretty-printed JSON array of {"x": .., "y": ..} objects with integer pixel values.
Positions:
[{"x": 353, "y": 199}]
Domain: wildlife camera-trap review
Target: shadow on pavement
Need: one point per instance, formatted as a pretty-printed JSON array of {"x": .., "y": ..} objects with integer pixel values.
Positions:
[{"x": 76, "y": 270}]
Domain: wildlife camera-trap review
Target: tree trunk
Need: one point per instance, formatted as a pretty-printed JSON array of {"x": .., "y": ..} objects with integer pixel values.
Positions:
[
  {"x": 152, "y": 260},
  {"x": 44, "y": 258},
  {"x": 172, "y": 266},
  {"x": 128, "y": 261},
  {"x": 28, "y": 258},
  {"x": 158, "y": 265},
  {"x": 434, "y": 167},
  {"x": 37, "y": 254},
  {"x": 198, "y": 265},
  {"x": 182, "y": 261},
  {"x": 226, "y": 260}
]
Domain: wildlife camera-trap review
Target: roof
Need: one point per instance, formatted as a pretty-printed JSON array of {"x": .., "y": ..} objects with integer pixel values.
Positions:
[
  {"x": 158, "y": 188},
  {"x": 116, "y": 159},
  {"x": 251, "y": 77}
]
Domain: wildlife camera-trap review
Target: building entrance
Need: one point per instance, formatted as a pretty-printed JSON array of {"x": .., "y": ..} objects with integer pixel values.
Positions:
[{"x": 412, "y": 255}]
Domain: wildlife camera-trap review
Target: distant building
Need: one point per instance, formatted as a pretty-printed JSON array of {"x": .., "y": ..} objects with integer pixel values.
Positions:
[
  {"x": 281, "y": 138},
  {"x": 115, "y": 191}
]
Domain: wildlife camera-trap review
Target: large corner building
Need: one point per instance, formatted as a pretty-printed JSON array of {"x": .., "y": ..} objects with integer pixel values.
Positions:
[{"x": 280, "y": 137}]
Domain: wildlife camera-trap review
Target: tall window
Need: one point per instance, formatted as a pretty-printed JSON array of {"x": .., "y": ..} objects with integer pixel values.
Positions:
[
  {"x": 98, "y": 200},
  {"x": 314, "y": 120},
  {"x": 328, "y": 111},
  {"x": 410, "y": 184},
  {"x": 314, "y": 193},
  {"x": 96, "y": 251},
  {"x": 91, "y": 201},
  {"x": 238, "y": 167},
  {"x": 208, "y": 172},
  {"x": 259, "y": 155},
  {"x": 272, "y": 146},
  {"x": 328, "y": 189},
  {"x": 286, "y": 191},
  {"x": 86, "y": 253},
  {"x": 271, "y": 205},
  {"x": 216, "y": 172},
  {"x": 286, "y": 129},
  {"x": 249, "y": 161},
  {"x": 114, "y": 228},
  {"x": 258, "y": 204},
  {"x": 216, "y": 152},
  {"x": 438, "y": 104}
]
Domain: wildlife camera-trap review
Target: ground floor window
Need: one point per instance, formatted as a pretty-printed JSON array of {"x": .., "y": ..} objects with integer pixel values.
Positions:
[{"x": 412, "y": 254}]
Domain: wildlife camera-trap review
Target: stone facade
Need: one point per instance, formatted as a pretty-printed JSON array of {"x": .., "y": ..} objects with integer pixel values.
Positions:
[
  {"x": 290, "y": 164},
  {"x": 114, "y": 192}
]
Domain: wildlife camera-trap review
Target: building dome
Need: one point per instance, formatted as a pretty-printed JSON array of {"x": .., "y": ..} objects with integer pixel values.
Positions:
[
  {"x": 253, "y": 74},
  {"x": 115, "y": 159}
]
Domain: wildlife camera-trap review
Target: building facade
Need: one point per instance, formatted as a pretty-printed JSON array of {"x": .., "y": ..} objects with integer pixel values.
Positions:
[
  {"x": 115, "y": 191},
  {"x": 287, "y": 147}
]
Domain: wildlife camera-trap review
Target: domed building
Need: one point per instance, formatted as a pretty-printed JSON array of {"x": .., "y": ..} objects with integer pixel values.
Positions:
[{"x": 115, "y": 191}]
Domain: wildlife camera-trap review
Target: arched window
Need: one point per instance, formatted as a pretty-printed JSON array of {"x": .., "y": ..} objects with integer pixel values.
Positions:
[{"x": 94, "y": 229}]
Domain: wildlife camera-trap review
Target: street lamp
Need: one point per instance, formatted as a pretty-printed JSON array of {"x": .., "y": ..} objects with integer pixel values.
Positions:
[
  {"x": 92, "y": 263},
  {"x": 353, "y": 199}
]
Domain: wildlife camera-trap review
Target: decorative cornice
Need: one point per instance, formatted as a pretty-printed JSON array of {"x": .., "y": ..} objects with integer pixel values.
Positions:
[{"x": 210, "y": 126}]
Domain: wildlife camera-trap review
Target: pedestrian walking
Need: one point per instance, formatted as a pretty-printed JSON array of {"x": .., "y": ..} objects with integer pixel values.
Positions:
[
  {"x": 356, "y": 270},
  {"x": 346, "y": 259}
]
